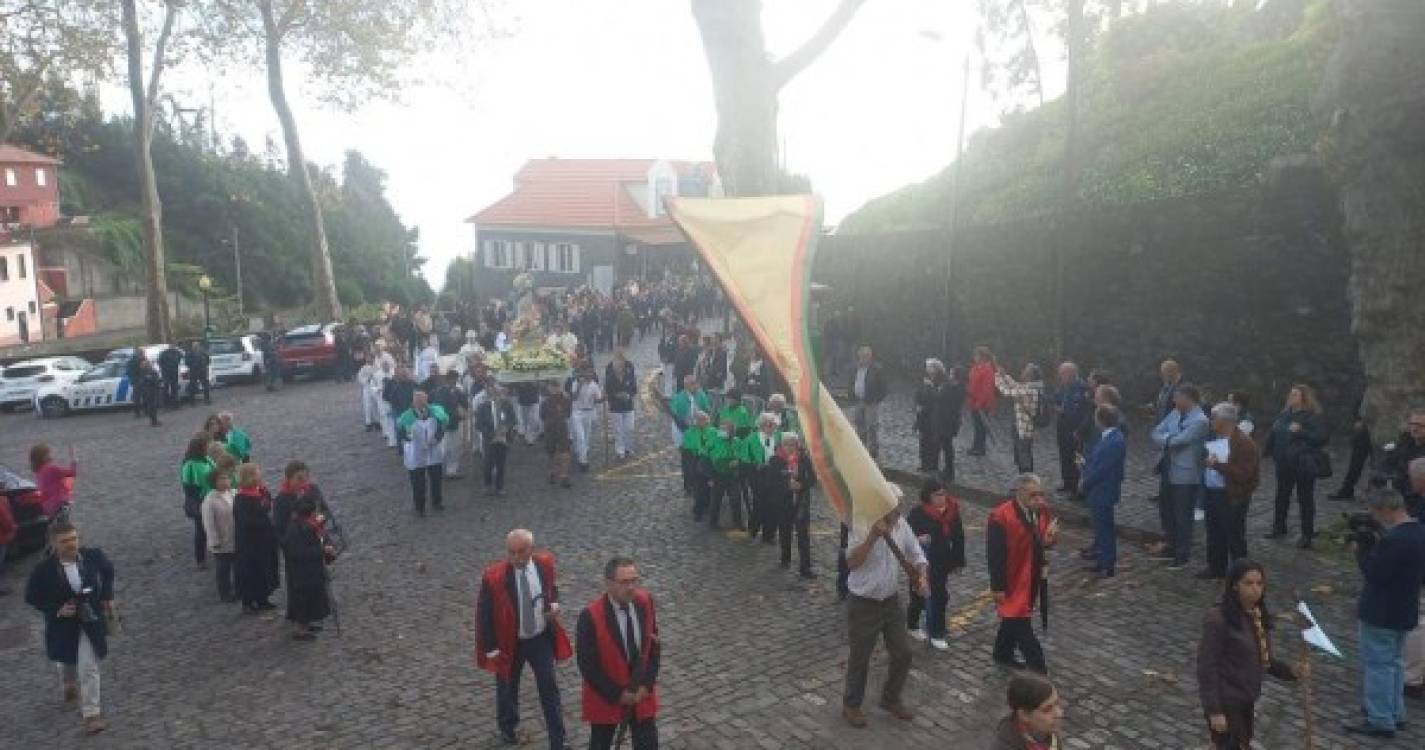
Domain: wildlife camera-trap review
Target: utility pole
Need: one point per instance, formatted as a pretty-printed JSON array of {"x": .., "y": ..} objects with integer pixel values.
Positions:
[
  {"x": 948, "y": 339},
  {"x": 237, "y": 267}
]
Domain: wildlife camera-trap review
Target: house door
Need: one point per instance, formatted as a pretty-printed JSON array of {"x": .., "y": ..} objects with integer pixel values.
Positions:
[
  {"x": 24, "y": 322},
  {"x": 603, "y": 279}
]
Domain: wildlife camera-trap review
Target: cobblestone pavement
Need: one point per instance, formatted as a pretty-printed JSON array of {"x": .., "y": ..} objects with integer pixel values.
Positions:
[{"x": 754, "y": 657}]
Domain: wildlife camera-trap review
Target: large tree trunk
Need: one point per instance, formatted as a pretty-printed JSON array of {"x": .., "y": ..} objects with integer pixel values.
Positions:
[
  {"x": 1069, "y": 190},
  {"x": 746, "y": 82},
  {"x": 323, "y": 282},
  {"x": 159, "y": 326},
  {"x": 1372, "y": 106}
]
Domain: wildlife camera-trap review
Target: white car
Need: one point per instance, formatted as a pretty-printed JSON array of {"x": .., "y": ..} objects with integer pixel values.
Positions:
[
  {"x": 235, "y": 358},
  {"x": 103, "y": 386},
  {"x": 19, "y": 381}
]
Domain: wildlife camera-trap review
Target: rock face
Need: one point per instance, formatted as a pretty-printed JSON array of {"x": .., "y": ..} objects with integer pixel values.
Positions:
[
  {"x": 1246, "y": 289},
  {"x": 1372, "y": 109}
]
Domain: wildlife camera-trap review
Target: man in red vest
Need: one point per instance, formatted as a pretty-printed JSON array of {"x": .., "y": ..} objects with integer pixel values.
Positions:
[
  {"x": 618, "y": 657},
  {"x": 517, "y": 623},
  {"x": 1020, "y": 530}
]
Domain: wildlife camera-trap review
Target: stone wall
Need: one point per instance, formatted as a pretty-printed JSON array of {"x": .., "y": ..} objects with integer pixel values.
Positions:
[{"x": 1247, "y": 290}]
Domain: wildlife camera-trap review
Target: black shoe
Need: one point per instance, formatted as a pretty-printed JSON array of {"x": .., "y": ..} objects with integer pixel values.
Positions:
[
  {"x": 1275, "y": 534},
  {"x": 1416, "y": 692},
  {"x": 509, "y": 739},
  {"x": 1368, "y": 730},
  {"x": 1013, "y": 664},
  {"x": 1177, "y": 565},
  {"x": 1208, "y": 575}
]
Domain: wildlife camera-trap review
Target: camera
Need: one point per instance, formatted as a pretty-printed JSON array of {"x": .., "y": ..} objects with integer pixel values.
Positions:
[{"x": 84, "y": 608}]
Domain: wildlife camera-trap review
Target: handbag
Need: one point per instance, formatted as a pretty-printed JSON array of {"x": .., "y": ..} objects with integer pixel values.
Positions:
[
  {"x": 1315, "y": 463},
  {"x": 112, "y": 625}
]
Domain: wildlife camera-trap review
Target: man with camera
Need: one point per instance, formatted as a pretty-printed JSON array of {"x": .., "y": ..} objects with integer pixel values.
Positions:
[
  {"x": 73, "y": 588},
  {"x": 1393, "y": 563},
  {"x": 1396, "y": 460}
]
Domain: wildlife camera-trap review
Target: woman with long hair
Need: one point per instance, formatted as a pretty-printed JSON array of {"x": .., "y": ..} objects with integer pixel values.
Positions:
[
  {"x": 1025, "y": 393},
  {"x": 1233, "y": 655},
  {"x": 195, "y": 474},
  {"x": 55, "y": 481},
  {"x": 1035, "y": 712},
  {"x": 1294, "y": 445}
]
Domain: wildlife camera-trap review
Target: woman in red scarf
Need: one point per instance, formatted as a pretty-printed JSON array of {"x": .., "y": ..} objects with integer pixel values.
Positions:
[
  {"x": 296, "y": 486},
  {"x": 255, "y": 541},
  {"x": 936, "y": 523},
  {"x": 1035, "y": 712},
  {"x": 307, "y": 555},
  {"x": 790, "y": 476}
]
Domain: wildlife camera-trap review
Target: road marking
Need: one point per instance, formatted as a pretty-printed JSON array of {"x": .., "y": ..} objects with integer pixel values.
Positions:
[
  {"x": 967, "y": 614},
  {"x": 621, "y": 468},
  {"x": 611, "y": 477}
]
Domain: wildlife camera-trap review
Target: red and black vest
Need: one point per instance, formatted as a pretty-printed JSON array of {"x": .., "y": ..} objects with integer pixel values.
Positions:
[
  {"x": 507, "y": 624},
  {"x": 614, "y": 665},
  {"x": 1023, "y": 555}
]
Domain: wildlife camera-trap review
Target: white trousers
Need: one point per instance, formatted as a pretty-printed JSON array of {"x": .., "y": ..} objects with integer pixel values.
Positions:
[
  {"x": 86, "y": 673},
  {"x": 1415, "y": 654},
  {"x": 623, "y": 432},
  {"x": 454, "y": 446},
  {"x": 388, "y": 425},
  {"x": 530, "y": 426},
  {"x": 370, "y": 406},
  {"x": 677, "y": 433},
  {"x": 582, "y": 429}
]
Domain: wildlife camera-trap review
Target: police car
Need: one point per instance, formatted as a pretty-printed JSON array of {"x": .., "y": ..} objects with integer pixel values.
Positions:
[{"x": 104, "y": 386}]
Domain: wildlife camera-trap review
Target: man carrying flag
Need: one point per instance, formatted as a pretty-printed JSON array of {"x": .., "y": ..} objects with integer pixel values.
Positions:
[{"x": 619, "y": 655}]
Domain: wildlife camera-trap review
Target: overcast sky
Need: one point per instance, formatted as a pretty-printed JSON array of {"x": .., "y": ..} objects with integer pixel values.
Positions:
[{"x": 627, "y": 78}]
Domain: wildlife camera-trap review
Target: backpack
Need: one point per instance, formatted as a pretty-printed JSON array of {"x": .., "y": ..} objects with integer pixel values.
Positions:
[{"x": 1043, "y": 411}]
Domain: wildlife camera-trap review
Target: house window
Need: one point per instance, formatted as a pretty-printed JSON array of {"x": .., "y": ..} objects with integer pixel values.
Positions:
[
  {"x": 4, "y": 268},
  {"x": 497, "y": 254},
  {"x": 537, "y": 257},
  {"x": 566, "y": 258},
  {"x": 10, "y": 179},
  {"x": 21, "y": 259},
  {"x": 10, "y": 313},
  {"x": 32, "y": 307},
  {"x": 521, "y": 254},
  {"x": 41, "y": 178}
]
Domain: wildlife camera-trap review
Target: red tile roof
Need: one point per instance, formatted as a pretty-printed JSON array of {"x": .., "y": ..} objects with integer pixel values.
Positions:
[
  {"x": 584, "y": 194},
  {"x": 16, "y": 155}
]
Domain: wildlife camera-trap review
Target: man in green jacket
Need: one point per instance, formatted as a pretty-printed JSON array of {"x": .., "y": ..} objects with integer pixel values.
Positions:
[
  {"x": 724, "y": 459},
  {"x": 694, "y": 454},
  {"x": 236, "y": 441},
  {"x": 757, "y": 450},
  {"x": 683, "y": 403},
  {"x": 733, "y": 411}
]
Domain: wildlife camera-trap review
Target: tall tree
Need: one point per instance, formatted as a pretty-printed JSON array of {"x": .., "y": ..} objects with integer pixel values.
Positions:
[
  {"x": 41, "y": 38},
  {"x": 1006, "y": 43},
  {"x": 1371, "y": 105},
  {"x": 746, "y": 84},
  {"x": 144, "y": 90}
]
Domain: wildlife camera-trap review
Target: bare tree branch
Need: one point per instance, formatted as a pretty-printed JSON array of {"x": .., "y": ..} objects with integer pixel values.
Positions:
[
  {"x": 787, "y": 68},
  {"x": 160, "y": 49}
]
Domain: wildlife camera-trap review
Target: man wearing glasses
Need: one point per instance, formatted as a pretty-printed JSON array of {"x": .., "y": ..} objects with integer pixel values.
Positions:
[
  {"x": 1019, "y": 532},
  {"x": 619, "y": 656},
  {"x": 517, "y": 623},
  {"x": 1395, "y": 467}
]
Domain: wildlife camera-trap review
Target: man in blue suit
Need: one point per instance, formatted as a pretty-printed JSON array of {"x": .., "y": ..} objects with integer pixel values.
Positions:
[{"x": 1102, "y": 485}]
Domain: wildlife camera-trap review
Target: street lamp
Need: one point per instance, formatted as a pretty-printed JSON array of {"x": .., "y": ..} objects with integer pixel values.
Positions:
[{"x": 205, "y": 285}]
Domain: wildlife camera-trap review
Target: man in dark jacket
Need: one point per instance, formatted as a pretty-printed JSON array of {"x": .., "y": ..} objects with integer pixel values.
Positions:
[
  {"x": 1073, "y": 403},
  {"x": 1394, "y": 568},
  {"x": 198, "y": 360},
  {"x": 398, "y": 392},
  {"x": 168, "y": 362},
  {"x": 1228, "y": 483},
  {"x": 74, "y": 589},
  {"x": 618, "y": 656},
  {"x": 940, "y": 400},
  {"x": 1395, "y": 464},
  {"x": 868, "y": 389},
  {"x": 451, "y": 397},
  {"x": 496, "y": 421}
]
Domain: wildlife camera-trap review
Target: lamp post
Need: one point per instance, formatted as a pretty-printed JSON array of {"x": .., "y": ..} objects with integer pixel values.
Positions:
[{"x": 205, "y": 284}]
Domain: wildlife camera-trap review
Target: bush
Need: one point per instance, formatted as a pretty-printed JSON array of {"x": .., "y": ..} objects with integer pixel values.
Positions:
[{"x": 349, "y": 293}]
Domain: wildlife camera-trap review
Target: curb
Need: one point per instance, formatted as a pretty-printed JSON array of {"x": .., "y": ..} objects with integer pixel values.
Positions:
[{"x": 1069, "y": 512}]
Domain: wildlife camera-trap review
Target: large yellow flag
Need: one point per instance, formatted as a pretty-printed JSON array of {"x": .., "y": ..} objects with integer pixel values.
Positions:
[{"x": 761, "y": 252}]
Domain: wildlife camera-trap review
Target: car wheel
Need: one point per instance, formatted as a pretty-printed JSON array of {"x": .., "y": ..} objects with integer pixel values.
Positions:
[{"x": 53, "y": 407}]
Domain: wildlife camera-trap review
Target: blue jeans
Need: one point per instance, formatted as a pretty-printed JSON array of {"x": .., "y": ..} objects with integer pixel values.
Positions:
[
  {"x": 1383, "y": 680},
  {"x": 538, "y": 652},
  {"x": 1105, "y": 538}
]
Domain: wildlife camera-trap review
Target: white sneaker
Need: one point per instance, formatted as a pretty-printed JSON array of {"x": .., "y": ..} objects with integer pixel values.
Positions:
[
  {"x": 917, "y": 634},
  {"x": 939, "y": 644},
  {"x": 1198, "y": 515}
]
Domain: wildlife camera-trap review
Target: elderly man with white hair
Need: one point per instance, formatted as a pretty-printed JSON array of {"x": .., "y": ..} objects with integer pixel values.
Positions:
[
  {"x": 777, "y": 404},
  {"x": 790, "y": 478},
  {"x": 517, "y": 623},
  {"x": 757, "y": 450}
]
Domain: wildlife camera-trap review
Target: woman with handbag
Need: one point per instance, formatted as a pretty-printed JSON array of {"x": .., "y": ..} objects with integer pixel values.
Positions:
[
  {"x": 195, "y": 474},
  {"x": 73, "y": 587},
  {"x": 1296, "y": 445},
  {"x": 307, "y": 553}
]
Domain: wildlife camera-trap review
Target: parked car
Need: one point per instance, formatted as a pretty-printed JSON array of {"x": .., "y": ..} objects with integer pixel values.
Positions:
[
  {"x": 236, "y": 358},
  {"x": 31, "y": 524},
  {"x": 19, "y": 381},
  {"x": 307, "y": 350},
  {"x": 103, "y": 386}
]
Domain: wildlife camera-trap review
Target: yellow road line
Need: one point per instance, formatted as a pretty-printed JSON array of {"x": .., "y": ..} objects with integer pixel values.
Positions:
[
  {"x": 635, "y": 463},
  {"x": 967, "y": 614}
]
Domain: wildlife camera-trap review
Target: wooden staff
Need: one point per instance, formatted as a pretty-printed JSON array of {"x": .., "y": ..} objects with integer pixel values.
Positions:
[{"x": 912, "y": 573}]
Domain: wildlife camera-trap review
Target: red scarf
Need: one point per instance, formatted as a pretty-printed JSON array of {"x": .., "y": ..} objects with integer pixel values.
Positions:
[
  {"x": 1032, "y": 744},
  {"x": 295, "y": 490},
  {"x": 792, "y": 458},
  {"x": 317, "y": 523},
  {"x": 259, "y": 493},
  {"x": 944, "y": 516}
]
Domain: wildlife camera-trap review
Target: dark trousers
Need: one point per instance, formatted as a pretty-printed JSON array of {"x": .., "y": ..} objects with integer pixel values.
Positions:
[
  {"x": 494, "y": 466},
  {"x": 538, "y": 652},
  {"x": 980, "y": 422},
  {"x": 935, "y": 608},
  {"x": 1068, "y": 442},
  {"x": 932, "y": 447},
  {"x": 224, "y": 563},
  {"x": 644, "y": 735},
  {"x": 196, "y": 384},
  {"x": 795, "y": 516},
  {"x": 1105, "y": 535},
  {"x": 432, "y": 475},
  {"x": 149, "y": 396},
  {"x": 170, "y": 389},
  {"x": 200, "y": 541},
  {"x": 1240, "y": 726},
  {"x": 1023, "y": 453},
  {"x": 843, "y": 571},
  {"x": 1218, "y": 516},
  {"x": 1305, "y": 488},
  {"x": 867, "y": 620},
  {"x": 1360, "y": 454},
  {"x": 690, "y": 470},
  {"x": 725, "y": 486},
  {"x": 1175, "y": 510},
  {"x": 1018, "y": 632}
]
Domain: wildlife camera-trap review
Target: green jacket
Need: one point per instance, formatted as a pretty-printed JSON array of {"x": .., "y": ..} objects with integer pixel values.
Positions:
[
  {"x": 682, "y": 403},
  {"x": 753, "y": 453},
  {"x": 198, "y": 474},
  {"x": 722, "y": 452},
  {"x": 740, "y": 418},
  {"x": 408, "y": 417},
  {"x": 696, "y": 439},
  {"x": 238, "y": 446}
]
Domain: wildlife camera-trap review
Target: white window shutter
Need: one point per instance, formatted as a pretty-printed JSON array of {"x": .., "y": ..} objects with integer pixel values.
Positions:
[
  {"x": 574, "y": 256},
  {"x": 489, "y": 253}
]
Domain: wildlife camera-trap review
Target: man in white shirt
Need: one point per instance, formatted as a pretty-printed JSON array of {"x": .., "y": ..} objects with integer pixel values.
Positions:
[
  {"x": 874, "y": 608},
  {"x": 426, "y": 359},
  {"x": 587, "y": 396}
]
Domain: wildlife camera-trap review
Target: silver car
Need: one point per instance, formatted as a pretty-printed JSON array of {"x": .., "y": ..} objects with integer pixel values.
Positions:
[
  {"x": 236, "y": 358},
  {"x": 19, "y": 381}
]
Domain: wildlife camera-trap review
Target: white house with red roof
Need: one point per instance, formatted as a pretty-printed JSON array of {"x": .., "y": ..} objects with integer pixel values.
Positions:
[{"x": 595, "y": 221}]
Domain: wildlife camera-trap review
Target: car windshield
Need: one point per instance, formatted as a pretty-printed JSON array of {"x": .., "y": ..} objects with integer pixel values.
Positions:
[
  {"x": 225, "y": 346},
  {"x": 24, "y": 371},
  {"x": 110, "y": 370}
]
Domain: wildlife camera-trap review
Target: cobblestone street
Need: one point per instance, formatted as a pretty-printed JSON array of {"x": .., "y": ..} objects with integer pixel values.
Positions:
[{"x": 753, "y": 656}]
